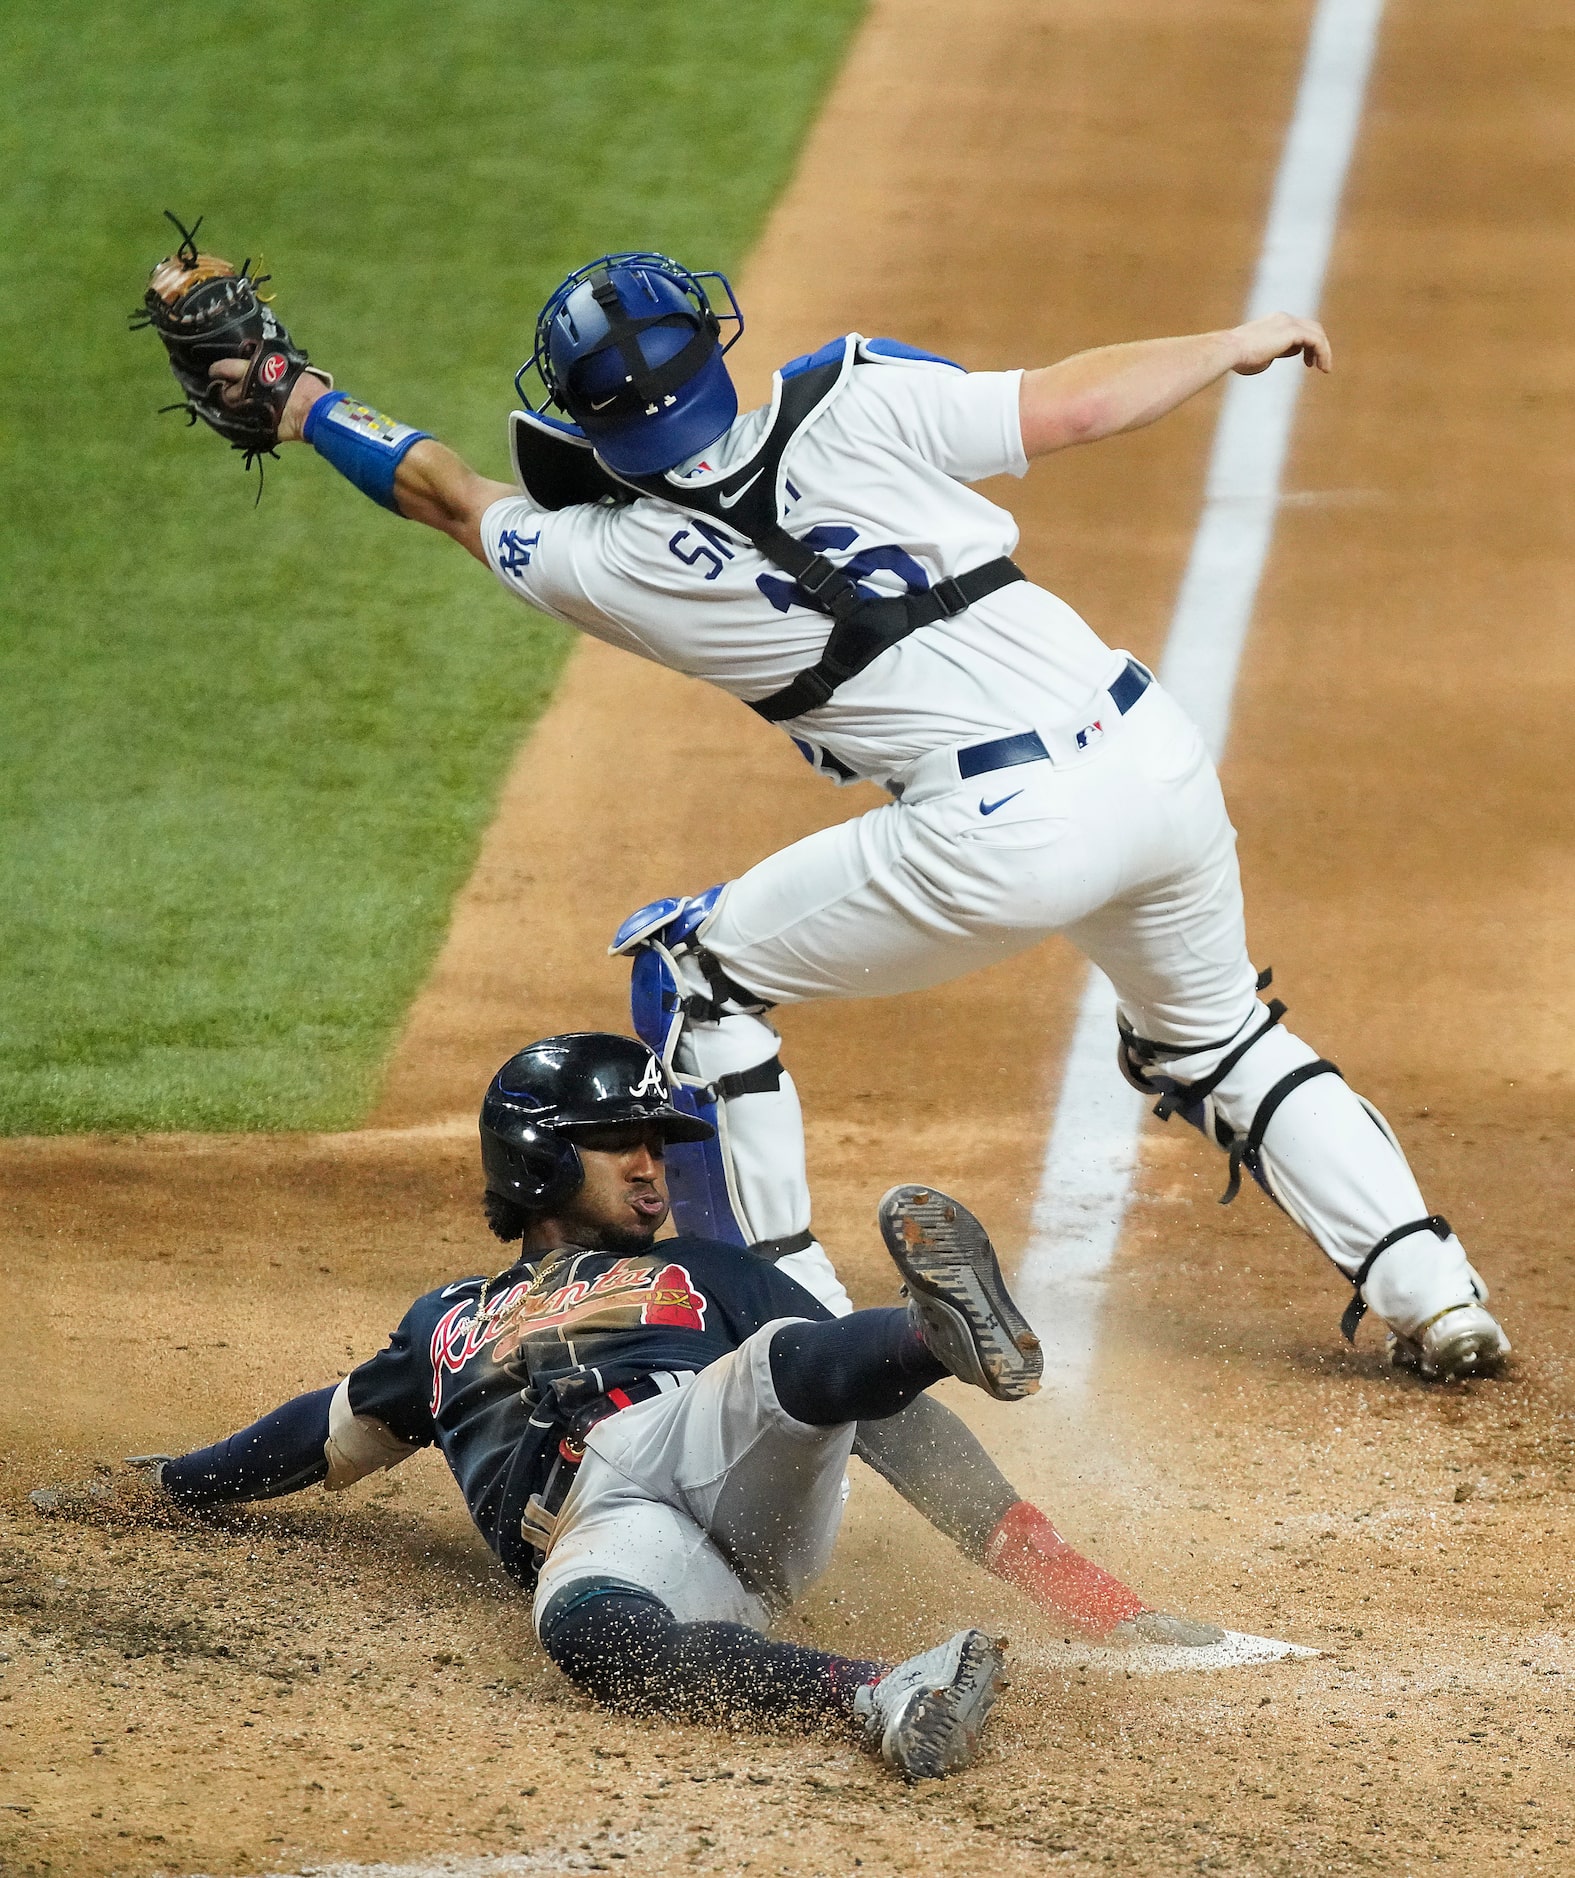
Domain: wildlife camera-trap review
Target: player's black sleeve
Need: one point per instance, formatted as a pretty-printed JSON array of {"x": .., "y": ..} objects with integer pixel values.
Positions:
[
  {"x": 279, "y": 1454},
  {"x": 284, "y": 1451},
  {"x": 396, "y": 1384}
]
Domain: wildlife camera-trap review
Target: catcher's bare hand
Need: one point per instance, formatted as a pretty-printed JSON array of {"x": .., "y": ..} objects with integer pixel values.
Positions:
[{"x": 1280, "y": 336}]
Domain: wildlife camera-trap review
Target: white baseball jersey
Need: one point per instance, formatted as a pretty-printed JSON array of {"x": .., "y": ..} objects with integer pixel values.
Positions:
[{"x": 878, "y": 481}]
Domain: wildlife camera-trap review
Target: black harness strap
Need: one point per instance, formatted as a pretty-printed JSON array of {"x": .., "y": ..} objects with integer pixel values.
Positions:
[
  {"x": 859, "y": 637},
  {"x": 760, "y": 1080},
  {"x": 1246, "y": 1147},
  {"x": 1177, "y": 1095},
  {"x": 1356, "y": 1310},
  {"x": 862, "y": 628},
  {"x": 773, "y": 1249}
]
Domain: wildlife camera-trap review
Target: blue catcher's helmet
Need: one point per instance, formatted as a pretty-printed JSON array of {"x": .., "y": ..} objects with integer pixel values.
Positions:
[
  {"x": 630, "y": 349},
  {"x": 550, "y": 1092}
]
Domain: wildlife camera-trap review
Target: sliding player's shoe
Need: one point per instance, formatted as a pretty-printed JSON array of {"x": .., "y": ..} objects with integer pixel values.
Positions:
[
  {"x": 924, "y": 1716},
  {"x": 957, "y": 1297}
]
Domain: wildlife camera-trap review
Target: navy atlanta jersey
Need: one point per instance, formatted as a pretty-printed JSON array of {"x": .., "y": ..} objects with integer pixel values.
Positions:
[{"x": 495, "y": 1370}]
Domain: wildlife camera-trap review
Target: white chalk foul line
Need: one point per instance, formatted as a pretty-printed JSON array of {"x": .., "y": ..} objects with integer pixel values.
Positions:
[{"x": 1092, "y": 1153}]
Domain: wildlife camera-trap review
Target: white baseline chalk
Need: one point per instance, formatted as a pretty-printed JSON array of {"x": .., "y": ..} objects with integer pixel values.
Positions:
[{"x": 1092, "y": 1153}]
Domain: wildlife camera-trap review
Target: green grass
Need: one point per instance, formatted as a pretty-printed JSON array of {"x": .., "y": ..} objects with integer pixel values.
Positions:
[{"x": 246, "y": 756}]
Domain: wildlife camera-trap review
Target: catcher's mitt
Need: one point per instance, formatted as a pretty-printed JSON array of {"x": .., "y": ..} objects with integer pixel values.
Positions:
[{"x": 204, "y": 310}]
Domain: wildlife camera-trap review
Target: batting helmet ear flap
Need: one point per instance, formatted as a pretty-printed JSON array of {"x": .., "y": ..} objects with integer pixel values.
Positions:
[{"x": 536, "y": 1168}]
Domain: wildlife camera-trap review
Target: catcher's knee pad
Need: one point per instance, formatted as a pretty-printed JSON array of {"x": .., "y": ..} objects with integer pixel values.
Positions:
[
  {"x": 747, "y": 1186},
  {"x": 1233, "y": 1103}
]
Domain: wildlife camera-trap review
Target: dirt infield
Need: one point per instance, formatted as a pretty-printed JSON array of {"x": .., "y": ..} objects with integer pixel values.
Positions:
[{"x": 350, "y": 1679}]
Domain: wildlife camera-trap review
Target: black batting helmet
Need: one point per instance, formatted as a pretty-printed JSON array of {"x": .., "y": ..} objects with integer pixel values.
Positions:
[{"x": 540, "y": 1098}]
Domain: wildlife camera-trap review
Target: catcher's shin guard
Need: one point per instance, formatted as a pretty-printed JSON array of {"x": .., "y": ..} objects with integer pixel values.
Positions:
[
  {"x": 748, "y": 1186},
  {"x": 1323, "y": 1154}
]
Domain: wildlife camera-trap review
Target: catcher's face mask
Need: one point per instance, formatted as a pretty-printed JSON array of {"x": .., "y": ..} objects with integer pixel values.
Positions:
[{"x": 630, "y": 348}]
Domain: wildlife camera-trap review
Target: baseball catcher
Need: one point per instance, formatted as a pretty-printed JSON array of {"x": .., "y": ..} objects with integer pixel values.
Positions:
[
  {"x": 652, "y": 1436},
  {"x": 825, "y": 560}
]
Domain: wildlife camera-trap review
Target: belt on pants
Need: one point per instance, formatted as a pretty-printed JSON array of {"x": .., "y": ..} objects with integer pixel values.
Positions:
[
  {"x": 539, "y": 1521},
  {"x": 944, "y": 767}
]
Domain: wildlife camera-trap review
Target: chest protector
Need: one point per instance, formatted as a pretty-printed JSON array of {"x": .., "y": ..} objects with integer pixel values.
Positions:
[{"x": 556, "y": 468}]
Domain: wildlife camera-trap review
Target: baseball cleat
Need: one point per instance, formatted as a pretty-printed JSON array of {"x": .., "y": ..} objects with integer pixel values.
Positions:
[
  {"x": 1465, "y": 1340},
  {"x": 956, "y": 1295},
  {"x": 923, "y": 1718}
]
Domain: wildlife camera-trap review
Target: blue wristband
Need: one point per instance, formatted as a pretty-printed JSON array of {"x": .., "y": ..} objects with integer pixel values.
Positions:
[{"x": 361, "y": 443}]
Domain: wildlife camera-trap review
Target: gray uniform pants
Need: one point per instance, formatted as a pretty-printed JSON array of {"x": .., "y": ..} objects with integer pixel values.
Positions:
[{"x": 712, "y": 1498}]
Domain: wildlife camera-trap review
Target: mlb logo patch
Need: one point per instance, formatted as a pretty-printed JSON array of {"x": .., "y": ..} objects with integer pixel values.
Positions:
[{"x": 1090, "y": 733}]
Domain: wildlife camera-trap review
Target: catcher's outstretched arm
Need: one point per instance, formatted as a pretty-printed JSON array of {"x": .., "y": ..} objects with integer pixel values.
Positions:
[
  {"x": 1116, "y": 388},
  {"x": 435, "y": 485},
  {"x": 431, "y": 483}
]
